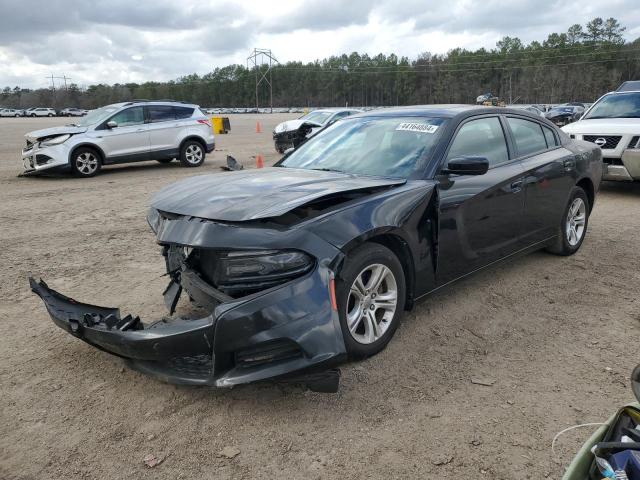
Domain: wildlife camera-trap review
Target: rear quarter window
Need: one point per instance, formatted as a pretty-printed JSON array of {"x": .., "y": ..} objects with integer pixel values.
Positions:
[{"x": 183, "y": 112}]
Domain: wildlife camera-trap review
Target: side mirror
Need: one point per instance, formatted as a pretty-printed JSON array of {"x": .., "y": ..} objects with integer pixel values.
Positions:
[
  {"x": 112, "y": 124},
  {"x": 467, "y": 166}
]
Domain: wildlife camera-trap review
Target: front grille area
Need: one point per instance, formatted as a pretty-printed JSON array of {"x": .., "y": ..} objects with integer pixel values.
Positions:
[
  {"x": 28, "y": 146},
  {"x": 635, "y": 142},
  {"x": 195, "y": 366},
  {"x": 268, "y": 352},
  {"x": 612, "y": 161},
  {"x": 611, "y": 141}
]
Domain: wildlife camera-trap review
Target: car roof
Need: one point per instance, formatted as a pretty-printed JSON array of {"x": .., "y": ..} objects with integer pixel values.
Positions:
[{"x": 444, "y": 111}]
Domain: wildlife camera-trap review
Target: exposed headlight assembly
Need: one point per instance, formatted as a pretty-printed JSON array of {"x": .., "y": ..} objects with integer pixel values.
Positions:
[
  {"x": 57, "y": 140},
  {"x": 261, "y": 265},
  {"x": 242, "y": 272}
]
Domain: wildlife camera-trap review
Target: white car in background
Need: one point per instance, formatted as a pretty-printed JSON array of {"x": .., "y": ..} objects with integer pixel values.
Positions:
[
  {"x": 613, "y": 123},
  {"x": 121, "y": 133},
  {"x": 292, "y": 133},
  {"x": 73, "y": 112},
  {"x": 10, "y": 112},
  {"x": 41, "y": 112}
]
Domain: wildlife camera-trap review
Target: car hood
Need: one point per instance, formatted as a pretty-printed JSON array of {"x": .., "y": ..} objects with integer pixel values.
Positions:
[
  {"x": 49, "y": 132},
  {"x": 600, "y": 126},
  {"x": 259, "y": 193},
  {"x": 291, "y": 125}
]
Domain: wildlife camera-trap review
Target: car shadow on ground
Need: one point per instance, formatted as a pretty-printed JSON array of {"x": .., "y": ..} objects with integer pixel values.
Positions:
[{"x": 620, "y": 187}]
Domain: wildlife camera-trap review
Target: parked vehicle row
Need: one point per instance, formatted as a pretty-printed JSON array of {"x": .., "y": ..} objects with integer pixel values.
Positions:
[
  {"x": 121, "y": 133},
  {"x": 42, "y": 112},
  {"x": 304, "y": 265}
]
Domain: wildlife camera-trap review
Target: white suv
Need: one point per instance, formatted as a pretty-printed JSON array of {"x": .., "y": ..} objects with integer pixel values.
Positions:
[
  {"x": 9, "y": 112},
  {"x": 42, "y": 112},
  {"x": 613, "y": 123},
  {"x": 122, "y": 133}
]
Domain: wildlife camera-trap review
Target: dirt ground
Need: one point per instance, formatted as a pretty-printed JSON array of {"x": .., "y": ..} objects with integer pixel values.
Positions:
[{"x": 556, "y": 336}]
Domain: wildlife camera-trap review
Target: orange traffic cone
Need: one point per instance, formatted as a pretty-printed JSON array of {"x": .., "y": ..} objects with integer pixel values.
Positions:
[
  {"x": 259, "y": 161},
  {"x": 258, "y": 127}
]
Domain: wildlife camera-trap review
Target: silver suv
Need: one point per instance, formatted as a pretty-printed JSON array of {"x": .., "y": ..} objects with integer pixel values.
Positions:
[{"x": 122, "y": 133}]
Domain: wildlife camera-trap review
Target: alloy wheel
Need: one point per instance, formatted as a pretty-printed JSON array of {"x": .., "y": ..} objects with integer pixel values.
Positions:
[
  {"x": 576, "y": 221},
  {"x": 86, "y": 163},
  {"x": 193, "y": 154},
  {"x": 371, "y": 303}
]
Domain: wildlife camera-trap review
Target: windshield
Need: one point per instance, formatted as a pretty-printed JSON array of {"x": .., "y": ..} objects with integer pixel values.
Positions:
[
  {"x": 623, "y": 105},
  {"x": 389, "y": 147},
  {"x": 317, "y": 117},
  {"x": 95, "y": 116}
]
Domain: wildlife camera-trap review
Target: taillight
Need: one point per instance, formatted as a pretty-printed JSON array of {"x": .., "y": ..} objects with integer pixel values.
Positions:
[{"x": 204, "y": 122}]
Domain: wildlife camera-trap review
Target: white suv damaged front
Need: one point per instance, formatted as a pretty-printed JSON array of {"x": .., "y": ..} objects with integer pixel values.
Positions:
[{"x": 613, "y": 124}]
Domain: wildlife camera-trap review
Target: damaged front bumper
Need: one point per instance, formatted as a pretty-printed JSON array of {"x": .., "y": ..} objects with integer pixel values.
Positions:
[{"x": 288, "y": 332}]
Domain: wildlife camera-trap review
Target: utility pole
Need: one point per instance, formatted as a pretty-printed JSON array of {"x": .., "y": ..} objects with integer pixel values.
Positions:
[
  {"x": 53, "y": 84},
  {"x": 258, "y": 58}
]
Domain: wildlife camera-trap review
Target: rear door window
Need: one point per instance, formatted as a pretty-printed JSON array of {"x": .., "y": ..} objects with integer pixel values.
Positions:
[
  {"x": 527, "y": 135},
  {"x": 161, "y": 113},
  {"x": 550, "y": 137}
]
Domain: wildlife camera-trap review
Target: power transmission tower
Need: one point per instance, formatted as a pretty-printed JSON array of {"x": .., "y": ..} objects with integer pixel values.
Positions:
[{"x": 262, "y": 57}]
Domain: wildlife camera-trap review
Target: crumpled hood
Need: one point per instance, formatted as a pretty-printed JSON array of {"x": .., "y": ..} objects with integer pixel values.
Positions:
[
  {"x": 49, "y": 132},
  {"x": 259, "y": 193},
  {"x": 291, "y": 125}
]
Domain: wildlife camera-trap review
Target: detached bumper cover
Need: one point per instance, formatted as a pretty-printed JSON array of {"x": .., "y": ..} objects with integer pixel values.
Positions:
[{"x": 240, "y": 342}]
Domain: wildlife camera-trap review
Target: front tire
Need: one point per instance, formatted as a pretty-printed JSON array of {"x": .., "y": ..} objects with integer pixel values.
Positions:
[
  {"x": 371, "y": 294},
  {"x": 192, "y": 154},
  {"x": 85, "y": 162},
  {"x": 573, "y": 225}
]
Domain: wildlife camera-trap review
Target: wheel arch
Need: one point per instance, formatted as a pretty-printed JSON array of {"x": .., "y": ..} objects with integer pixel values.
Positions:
[
  {"x": 93, "y": 146},
  {"x": 197, "y": 138},
  {"x": 587, "y": 185},
  {"x": 400, "y": 248}
]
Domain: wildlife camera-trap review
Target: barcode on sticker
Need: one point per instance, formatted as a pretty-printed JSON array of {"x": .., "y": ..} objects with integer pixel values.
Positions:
[{"x": 417, "y": 127}]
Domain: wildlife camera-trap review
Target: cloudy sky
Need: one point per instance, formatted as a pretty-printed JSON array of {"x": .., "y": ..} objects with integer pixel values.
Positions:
[{"x": 137, "y": 40}]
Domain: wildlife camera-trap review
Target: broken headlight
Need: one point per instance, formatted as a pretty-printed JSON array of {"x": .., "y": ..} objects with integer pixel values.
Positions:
[
  {"x": 255, "y": 270},
  {"x": 56, "y": 140}
]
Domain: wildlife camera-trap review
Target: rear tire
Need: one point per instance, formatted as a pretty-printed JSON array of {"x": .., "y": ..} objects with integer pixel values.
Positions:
[
  {"x": 371, "y": 294},
  {"x": 192, "y": 154},
  {"x": 573, "y": 224},
  {"x": 85, "y": 162}
]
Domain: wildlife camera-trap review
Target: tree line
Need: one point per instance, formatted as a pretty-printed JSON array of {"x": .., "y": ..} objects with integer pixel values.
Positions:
[{"x": 578, "y": 65}]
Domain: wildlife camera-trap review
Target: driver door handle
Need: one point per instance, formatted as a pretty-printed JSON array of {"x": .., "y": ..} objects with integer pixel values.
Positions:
[{"x": 516, "y": 186}]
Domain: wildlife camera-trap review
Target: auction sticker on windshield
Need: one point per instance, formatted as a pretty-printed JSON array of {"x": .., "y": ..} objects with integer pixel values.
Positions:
[{"x": 417, "y": 127}]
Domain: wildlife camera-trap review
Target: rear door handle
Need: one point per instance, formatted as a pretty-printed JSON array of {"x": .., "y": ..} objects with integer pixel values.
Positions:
[
  {"x": 516, "y": 186},
  {"x": 569, "y": 163}
]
